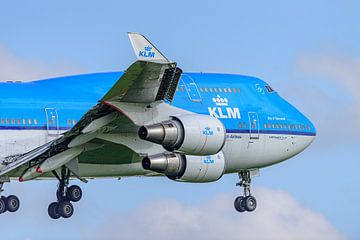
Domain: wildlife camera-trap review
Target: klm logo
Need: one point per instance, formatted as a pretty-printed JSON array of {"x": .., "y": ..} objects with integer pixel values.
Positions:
[
  {"x": 223, "y": 110},
  {"x": 147, "y": 53},
  {"x": 208, "y": 132},
  {"x": 208, "y": 160}
]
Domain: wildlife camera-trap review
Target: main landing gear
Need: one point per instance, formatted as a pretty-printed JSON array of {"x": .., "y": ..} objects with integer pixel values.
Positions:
[
  {"x": 247, "y": 202},
  {"x": 8, "y": 204},
  {"x": 65, "y": 195}
]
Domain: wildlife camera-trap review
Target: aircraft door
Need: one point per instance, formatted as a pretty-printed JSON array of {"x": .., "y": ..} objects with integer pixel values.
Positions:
[
  {"x": 52, "y": 121},
  {"x": 254, "y": 125},
  {"x": 191, "y": 88}
]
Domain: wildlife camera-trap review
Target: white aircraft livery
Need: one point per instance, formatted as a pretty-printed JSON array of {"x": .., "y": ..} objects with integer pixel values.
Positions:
[{"x": 150, "y": 120}]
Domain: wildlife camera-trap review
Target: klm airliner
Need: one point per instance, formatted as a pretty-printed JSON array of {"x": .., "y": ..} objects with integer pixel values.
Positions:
[{"x": 150, "y": 120}]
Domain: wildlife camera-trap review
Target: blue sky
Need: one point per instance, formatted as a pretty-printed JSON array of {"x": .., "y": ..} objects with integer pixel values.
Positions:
[{"x": 308, "y": 50}]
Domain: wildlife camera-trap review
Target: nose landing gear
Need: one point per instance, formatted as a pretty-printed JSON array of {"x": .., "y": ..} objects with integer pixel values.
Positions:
[{"x": 247, "y": 202}]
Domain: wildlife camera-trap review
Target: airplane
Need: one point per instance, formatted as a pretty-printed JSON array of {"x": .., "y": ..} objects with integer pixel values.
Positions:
[{"x": 151, "y": 120}]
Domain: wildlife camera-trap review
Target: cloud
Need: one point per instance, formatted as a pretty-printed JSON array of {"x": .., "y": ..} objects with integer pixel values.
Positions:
[
  {"x": 278, "y": 216},
  {"x": 327, "y": 86},
  {"x": 14, "y": 68}
]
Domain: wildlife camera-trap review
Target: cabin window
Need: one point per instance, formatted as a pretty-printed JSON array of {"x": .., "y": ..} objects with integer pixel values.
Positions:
[
  {"x": 269, "y": 89},
  {"x": 7, "y": 121},
  {"x": 35, "y": 121},
  {"x": 280, "y": 125},
  {"x": 18, "y": 121},
  {"x": 215, "y": 90},
  {"x": 210, "y": 90},
  {"x": 220, "y": 90},
  {"x": 24, "y": 121},
  {"x": 265, "y": 125},
  {"x": 2, "y": 121},
  {"x": 244, "y": 125},
  {"x": 229, "y": 90},
  {"x": 234, "y": 90},
  {"x": 182, "y": 89},
  {"x": 206, "y": 89},
  {"x": 12, "y": 121},
  {"x": 268, "y": 125},
  {"x": 74, "y": 121},
  {"x": 69, "y": 122},
  {"x": 201, "y": 89},
  {"x": 29, "y": 121},
  {"x": 225, "y": 90}
]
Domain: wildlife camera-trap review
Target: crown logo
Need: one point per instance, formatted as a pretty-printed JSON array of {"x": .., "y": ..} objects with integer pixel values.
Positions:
[
  {"x": 219, "y": 101},
  {"x": 148, "y": 48}
]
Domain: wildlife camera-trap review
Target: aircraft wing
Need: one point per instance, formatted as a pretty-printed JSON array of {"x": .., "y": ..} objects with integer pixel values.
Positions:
[{"x": 151, "y": 78}]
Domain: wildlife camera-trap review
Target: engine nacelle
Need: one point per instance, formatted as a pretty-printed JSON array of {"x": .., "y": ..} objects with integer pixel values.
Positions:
[
  {"x": 187, "y": 168},
  {"x": 193, "y": 134}
]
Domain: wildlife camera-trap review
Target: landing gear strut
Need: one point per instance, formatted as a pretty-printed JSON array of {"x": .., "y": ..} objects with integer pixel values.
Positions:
[
  {"x": 65, "y": 195},
  {"x": 10, "y": 203},
  {"x": 247, "y": 202}
]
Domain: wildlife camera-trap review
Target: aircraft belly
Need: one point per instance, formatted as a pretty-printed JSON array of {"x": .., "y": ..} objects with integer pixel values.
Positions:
[{"x": 245, "y": 153}]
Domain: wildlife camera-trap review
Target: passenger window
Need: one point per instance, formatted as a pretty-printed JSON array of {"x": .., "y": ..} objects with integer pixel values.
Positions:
[
  {"x": 29, "y": 121},
  {"x": 7, "y": 121},
  {"x": 24, "y": 121},
  {"x": 244, "y": 125},
  {"x": 238, "y": 90},
  {"x": 210, "y": 89},
  {"x": 201, "y": 89},
  {"x": 220, "y": 90},
  {"x": 12, "y": 121},
  {"x": 74, "y": 122},
  {"x": 225, "y": 90},
  {"x": 265, "y": 125},
  {"x": 234, "y": 90},
  {"x": 182, "y": 89},
  {"x": 2, "y": 121},
  {"x": 35, "y": 121},
  {"x": 69, "y": 122},
  {"x": 18, "y": 121},
  {"x": 269, "y": 125},
  {"x": 229, "y": 89},
  {"x": 206, "y": 89}
]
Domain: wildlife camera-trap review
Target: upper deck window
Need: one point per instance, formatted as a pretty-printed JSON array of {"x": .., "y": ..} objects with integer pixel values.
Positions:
[{"x": 269, "y": 89}]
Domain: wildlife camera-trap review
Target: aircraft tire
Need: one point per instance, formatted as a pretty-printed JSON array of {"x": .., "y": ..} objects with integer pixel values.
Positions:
[
  {"x": 238, "y": 204},
  {"x": 66, "y": 209},
  {"x": 74, "y": 193},
  {"x": 12, "y": 203},
  {"x": 2, "y": 204},
  {"x": 249, "y": 203},
  {"x": 53, "y": 210}
]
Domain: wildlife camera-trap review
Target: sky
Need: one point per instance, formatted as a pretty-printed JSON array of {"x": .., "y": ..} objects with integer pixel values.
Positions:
[{"x": 308, "y": 51}]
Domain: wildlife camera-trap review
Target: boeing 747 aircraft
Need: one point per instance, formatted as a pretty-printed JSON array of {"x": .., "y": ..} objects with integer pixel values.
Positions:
[{"x": 150, "y": 120}]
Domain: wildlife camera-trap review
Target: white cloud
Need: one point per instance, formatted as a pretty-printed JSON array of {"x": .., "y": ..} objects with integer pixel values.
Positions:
[
  {"x": 278, "y": 216},
  {"x": 14, "y": 68},
  {"x": 327, "y": 86}
]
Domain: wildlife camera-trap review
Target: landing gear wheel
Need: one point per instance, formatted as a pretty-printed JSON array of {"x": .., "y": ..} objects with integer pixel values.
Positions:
[
  {"x": 12, "y": 203},
  {"x": 2, "y": 205},
  {"x": 53, "y": 210},
  {"x": 74, "y": 193},
  {"x": 249, "y": 203},
  {"x": 66, "y": 209},
  {"x": 238, "y": 204}
]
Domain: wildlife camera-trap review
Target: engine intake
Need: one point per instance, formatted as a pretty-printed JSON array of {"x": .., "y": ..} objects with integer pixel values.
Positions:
[{"x": 193, "y": 134}]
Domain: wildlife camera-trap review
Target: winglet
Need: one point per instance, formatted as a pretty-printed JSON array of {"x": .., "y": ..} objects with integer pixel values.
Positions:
[{"x": 145, "y": 50}]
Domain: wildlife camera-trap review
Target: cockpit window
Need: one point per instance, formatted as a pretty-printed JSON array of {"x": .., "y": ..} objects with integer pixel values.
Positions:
[{"x": 269, "y": 89}]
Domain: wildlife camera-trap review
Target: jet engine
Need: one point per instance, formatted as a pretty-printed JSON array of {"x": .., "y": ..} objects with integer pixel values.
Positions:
[
  {"x": 187, "y": 168},
  {"x": 193, "y": 134}
]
